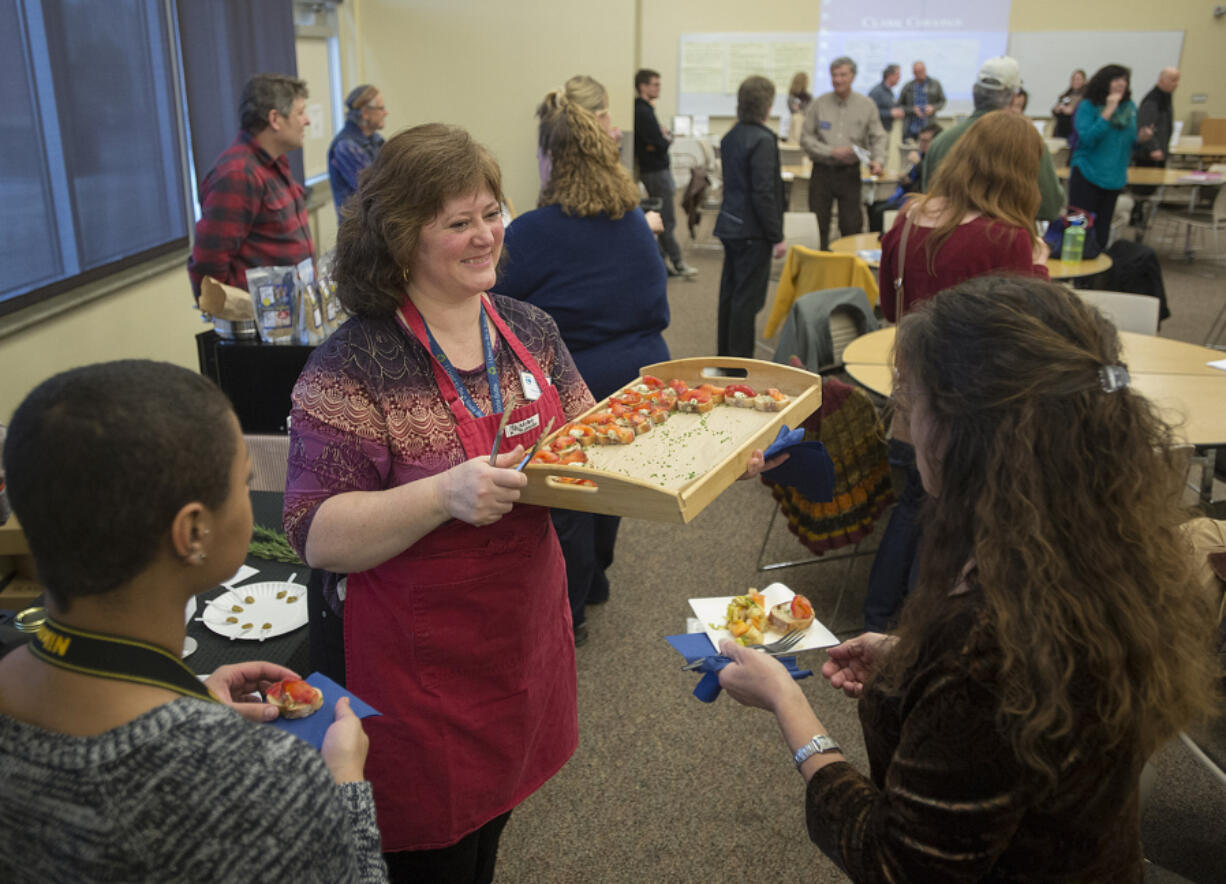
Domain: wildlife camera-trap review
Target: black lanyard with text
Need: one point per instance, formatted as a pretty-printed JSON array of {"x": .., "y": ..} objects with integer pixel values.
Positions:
[{"x": 113, "y": 656}]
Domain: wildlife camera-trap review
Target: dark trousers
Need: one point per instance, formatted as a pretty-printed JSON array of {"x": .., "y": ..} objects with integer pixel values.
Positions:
[
  {"x": 660, "y": 186},
  {"x": 828, "y": 183},
  {"x": 1084, "y": 195},
  {"x": 742, "y": 292},
  {"x": 326, "y": 632},
  {"x": 469, "y": 861},
  {"x": 896, "y": 564},
  {"x": 587, "y": 541}
]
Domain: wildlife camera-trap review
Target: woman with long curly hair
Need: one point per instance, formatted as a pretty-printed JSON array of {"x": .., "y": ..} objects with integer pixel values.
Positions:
[
  {"x": 587, "y": 257},
  {"x": 977, "y": 216},
  {"x": 1056, "y": 637}
]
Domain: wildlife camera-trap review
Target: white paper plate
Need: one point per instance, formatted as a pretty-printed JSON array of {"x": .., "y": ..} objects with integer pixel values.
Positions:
[
  {"x": 714, "y": 611},
  {"x": 274, "y": 609}
]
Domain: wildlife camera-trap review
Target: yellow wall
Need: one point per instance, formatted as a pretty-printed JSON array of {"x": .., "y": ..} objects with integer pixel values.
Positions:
[
  {"x": 486, "y": 66},
  {"x": 153, "y": 319}
]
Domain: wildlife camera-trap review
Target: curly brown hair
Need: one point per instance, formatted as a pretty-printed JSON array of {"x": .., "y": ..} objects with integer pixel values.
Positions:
[
  {"x": 403, "y": 190},
  {"x": 993, "y": 169},
  {"x": 587, "y": 176},
  {"x": 1066, "y": 500}
]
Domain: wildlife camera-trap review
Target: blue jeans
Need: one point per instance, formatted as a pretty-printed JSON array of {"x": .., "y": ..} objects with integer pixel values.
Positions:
[{"x": 896, "y": 564}]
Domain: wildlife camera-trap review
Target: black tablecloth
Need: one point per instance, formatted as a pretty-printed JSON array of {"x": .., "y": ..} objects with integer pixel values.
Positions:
[{"x": 290, "y": 649}]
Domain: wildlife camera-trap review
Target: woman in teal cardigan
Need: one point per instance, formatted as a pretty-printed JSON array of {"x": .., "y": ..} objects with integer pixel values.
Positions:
[{"x": 1106, "y": 127}]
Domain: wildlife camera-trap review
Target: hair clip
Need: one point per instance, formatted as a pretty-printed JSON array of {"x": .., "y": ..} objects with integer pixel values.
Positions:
[{"x": 1113, "y": 378}]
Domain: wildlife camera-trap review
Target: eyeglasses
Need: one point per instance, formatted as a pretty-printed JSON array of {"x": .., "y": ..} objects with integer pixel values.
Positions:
[{"x": 376, "y": 107}]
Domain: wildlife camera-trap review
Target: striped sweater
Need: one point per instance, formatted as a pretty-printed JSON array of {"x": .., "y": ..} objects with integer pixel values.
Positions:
[{"x": 189, "y": 791}]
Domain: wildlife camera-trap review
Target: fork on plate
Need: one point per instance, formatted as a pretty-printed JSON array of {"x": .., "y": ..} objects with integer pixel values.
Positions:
[{"x": 781, "y": 646}]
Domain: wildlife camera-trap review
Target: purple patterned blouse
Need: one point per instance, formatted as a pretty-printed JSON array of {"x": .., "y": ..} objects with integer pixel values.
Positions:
[{"x": 367, "y": 414}]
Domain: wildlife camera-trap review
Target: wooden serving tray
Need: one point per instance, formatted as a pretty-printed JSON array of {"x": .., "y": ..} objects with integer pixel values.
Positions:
[{"x": 671, "y": 473}]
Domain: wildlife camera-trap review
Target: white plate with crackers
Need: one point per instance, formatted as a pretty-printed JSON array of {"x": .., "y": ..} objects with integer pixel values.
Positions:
[
  {"x": 713, "y": 613},
  {"x": 257, "y": 611}
]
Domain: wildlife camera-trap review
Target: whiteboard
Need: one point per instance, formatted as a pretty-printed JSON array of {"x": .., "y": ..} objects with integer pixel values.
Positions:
[
  {"x": 1048, "y": 58},
  {"x": 711, "y": 67}
]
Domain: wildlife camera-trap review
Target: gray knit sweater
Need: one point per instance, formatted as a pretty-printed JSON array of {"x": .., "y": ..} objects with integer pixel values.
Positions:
[{"x": 189, "y": 791}]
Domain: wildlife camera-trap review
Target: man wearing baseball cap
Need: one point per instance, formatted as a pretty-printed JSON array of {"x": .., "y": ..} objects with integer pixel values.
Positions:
[
  {"x": 355, "y": 146},
  {"x": 995, "y": 85}
]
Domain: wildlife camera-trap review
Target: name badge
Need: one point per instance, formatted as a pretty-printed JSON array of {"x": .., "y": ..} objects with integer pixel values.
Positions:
[
  {"x": 824, "y": 124},
  {"x": 532, "y": 390},
  {"x": 520, "y": 427}
]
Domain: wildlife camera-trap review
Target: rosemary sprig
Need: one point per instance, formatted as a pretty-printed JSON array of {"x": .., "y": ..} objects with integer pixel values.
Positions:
[{"x": 272, "y": 546}]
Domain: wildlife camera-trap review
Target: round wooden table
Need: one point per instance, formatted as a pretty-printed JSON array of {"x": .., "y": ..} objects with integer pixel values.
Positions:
[
  {"x": 1175, "y": 375},
  {"x": 859, "y": 242},
  {"x": 1058, "y": 269},
  {"x": 1156, "y": 176}
]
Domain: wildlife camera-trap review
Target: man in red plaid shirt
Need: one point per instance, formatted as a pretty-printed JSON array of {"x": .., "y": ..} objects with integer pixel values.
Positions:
[{"x": 253, "y": 213}]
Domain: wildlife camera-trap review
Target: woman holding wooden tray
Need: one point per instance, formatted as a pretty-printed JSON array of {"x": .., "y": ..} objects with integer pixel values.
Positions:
[
  {"x": 1057, "y": 636},
  {"x": 588, "y": 258},
  {"x": 444, "y": 602}
]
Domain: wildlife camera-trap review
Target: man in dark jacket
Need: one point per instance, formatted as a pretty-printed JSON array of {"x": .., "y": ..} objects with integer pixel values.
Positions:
[
  {"x": 651, "y": 154},
  {"x": 750, "y": 220},
  {"x": 1156, "y": 111}
]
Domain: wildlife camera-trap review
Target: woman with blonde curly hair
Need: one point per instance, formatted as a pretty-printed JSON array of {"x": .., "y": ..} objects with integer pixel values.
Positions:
[
  {"x": 977, "y": 216},
  {"x": 587, "y": 257},
  {"x": 1056, "y": 637}
]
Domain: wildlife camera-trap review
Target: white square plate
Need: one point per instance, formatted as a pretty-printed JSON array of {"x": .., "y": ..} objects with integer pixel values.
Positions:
[{"x": 714, "y": 611}]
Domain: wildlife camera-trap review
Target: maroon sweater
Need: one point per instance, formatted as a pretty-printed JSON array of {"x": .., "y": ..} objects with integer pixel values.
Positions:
[{"x": 973, "y": 249}]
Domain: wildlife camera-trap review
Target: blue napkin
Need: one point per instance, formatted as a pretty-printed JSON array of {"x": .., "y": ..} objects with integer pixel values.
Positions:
[
  {"x": 696, "y": 645},
  {"x": 808, "y": 468},
  {"x": 312, "y": 728}
]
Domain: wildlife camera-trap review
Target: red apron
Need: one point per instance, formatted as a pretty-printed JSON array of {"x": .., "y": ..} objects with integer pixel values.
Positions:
[{"x": 464, "y": 643}]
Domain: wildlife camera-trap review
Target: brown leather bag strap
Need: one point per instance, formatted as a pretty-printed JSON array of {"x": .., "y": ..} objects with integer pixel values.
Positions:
[{"x": 902, "y": 262}]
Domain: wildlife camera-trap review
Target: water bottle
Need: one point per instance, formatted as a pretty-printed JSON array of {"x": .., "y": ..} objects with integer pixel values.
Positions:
[{"x": 1073, "y": 244}]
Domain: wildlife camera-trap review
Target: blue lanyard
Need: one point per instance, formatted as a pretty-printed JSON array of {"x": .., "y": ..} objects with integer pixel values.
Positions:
[{"x": 491, "y": 371}]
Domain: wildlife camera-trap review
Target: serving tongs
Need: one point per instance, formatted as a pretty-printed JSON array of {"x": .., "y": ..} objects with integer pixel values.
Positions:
[{"x": 536, "y": 445}]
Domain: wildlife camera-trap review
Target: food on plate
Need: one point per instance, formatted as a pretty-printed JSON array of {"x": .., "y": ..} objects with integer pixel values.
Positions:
[
  {"x": 231, "y": 619},
  {"x": 739, "y": 395},
  {"x": 771, "y": 400},
  {"x": 635, "y": 409},
  {"x": 746, "y": 618},
  {"x": 695, "y": 402},
  {"x": 626, "y": 398},
  {"x": 614, "y": 434},
  {"x": 281, "y": 594},
  {"x": 294, "y": 697},
  {"x": 597, "y": 418},
  {"x": 716, "y": 393},
  {"x": 792, "y": 616},
  {"x": 581, "y": 433}
]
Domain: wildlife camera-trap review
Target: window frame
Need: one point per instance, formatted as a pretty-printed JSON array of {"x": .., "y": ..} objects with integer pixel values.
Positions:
[{"x": 22, "y": 311}]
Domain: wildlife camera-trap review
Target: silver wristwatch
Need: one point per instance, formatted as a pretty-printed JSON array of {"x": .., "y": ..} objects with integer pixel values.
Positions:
[{"x": 820, "y": 743}]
